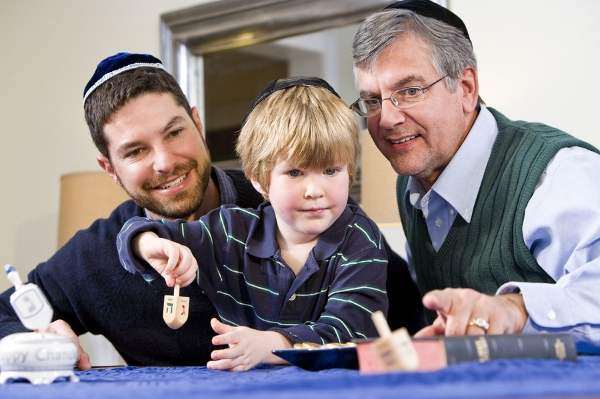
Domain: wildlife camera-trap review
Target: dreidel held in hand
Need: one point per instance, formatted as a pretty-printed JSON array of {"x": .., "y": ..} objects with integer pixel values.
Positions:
[
  {"x": 176, "y": 309},
  {"x": 29, "y": 302}
]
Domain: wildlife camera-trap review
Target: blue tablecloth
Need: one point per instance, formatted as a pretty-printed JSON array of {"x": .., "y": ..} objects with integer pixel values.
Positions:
[{"x": 508, "y": 378}]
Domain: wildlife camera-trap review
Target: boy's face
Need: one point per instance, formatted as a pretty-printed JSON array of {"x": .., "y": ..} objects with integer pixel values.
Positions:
[{"x": 306, "y": 201}]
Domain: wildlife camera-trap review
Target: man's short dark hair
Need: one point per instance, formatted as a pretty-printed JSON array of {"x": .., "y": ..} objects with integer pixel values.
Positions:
[{"x": 113, "y": 94}]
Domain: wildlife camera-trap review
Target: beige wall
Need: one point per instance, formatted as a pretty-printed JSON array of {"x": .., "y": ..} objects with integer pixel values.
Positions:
[
  {"x": 540, "y": 64},
  {"x": 539, "y": 59},
  {"x": 49, "y": 50}
]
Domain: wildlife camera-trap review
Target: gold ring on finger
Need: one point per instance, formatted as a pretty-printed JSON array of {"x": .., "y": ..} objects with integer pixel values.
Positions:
[{"x": 481, "y": 323}]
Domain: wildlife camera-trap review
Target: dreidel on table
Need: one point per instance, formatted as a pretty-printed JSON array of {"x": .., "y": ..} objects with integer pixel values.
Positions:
[
  {"x": 395, "y": 349},
  {"x": 176, "y": 309}
]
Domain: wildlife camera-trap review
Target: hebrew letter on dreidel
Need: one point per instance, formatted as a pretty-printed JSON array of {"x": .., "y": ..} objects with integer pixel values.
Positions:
[{"x": 176, "y": 309}]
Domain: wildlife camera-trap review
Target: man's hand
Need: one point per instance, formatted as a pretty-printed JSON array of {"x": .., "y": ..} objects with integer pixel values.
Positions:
[
  {"x": 61, "y": 327},
  {"x": 173, "y": 261},
  {"x": 458, "y": 308},
  {"x": 247, "y": 347}
]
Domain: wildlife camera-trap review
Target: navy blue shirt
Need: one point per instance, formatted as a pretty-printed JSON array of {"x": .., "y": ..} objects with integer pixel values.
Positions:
[{"x": 241, "y": 271}]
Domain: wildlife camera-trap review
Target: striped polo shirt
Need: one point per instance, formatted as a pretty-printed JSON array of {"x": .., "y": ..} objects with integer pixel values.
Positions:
[{"x": 241, "y": 270}]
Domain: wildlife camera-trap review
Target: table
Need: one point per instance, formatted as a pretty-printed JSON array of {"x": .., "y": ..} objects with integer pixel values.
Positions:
[{"x": 503, "y": 378}]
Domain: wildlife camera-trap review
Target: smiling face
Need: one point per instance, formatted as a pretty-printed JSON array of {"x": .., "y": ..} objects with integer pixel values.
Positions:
[
  {"x": 420, "y": 140},
  {"x": 306, "y": 201},
  {"x": 158, "y": 155}
]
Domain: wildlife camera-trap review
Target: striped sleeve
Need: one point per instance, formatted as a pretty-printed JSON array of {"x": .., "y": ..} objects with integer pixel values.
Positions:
[{"x": 194, "y": 235}]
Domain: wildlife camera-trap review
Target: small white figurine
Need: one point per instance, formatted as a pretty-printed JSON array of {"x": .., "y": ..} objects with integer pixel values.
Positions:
[{"x": 37, "y": 357}]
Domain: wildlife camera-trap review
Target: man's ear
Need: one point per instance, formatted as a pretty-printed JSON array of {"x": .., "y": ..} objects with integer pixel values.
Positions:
[
  {"x": 469, "y": 84},
  {"x": 106, "y": 166},
  {"x": 197, "y": 121},
  {"x": 258, "y": 187}
]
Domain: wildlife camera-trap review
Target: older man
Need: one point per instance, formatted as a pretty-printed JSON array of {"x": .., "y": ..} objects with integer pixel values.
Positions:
[{"x": 502, "y": 218}]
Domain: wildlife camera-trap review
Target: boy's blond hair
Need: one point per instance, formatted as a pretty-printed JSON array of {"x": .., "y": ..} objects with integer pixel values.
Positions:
[{"x": 307, "y": 125}]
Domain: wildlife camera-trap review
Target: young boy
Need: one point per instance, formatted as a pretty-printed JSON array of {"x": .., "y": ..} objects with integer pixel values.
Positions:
[{"x": 305, "y": 266}]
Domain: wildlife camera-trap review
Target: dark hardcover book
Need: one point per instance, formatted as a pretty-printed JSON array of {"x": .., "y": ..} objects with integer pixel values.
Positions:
[
  {"x": 488, "y": 347},
  {"x": 438, "y": 352}
]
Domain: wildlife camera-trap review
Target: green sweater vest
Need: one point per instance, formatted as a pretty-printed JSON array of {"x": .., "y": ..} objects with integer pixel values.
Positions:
[{"x": 489, "y": 251}]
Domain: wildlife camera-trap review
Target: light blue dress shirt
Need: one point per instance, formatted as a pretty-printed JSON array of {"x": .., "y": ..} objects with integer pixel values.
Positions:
[{"x": 561, "y": 228}]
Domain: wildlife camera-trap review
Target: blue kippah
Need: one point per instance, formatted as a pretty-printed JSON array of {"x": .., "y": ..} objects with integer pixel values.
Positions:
[
  {"x": 427, "y": 8},
  {"x": 115, "y": 64}
]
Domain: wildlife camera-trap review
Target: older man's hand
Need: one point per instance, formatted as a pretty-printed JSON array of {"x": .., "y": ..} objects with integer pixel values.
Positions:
[{"x": 468, "y": 312}]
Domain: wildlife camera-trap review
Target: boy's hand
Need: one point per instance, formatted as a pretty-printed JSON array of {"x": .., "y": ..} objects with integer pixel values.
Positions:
[
  {"x": 247, "y": 347},
  {"x": 173, "y": 261}
]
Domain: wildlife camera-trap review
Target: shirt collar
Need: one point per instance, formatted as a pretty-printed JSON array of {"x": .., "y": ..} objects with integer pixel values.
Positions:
[
  {"x": 225, "y": 184},
  {"x": 262, "y": 241},
  {"x": 459, "y": 182}
]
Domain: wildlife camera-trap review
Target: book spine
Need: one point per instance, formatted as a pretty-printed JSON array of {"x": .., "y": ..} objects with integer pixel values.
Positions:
[{"x": 489, "y": 347}]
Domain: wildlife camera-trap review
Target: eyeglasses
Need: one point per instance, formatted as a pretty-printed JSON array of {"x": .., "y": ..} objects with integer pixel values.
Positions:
[{"x": 402, "y": 98}]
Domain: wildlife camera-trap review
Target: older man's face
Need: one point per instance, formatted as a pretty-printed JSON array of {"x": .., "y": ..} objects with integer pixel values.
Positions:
[{"x": 420, "y": 140}]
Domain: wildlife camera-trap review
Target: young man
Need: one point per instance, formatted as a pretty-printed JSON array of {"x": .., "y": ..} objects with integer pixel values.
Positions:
[
  {"x": 305, "y": 266},
  {"x": 488, "y": 204},
  {"x": 150, "y": 141}
]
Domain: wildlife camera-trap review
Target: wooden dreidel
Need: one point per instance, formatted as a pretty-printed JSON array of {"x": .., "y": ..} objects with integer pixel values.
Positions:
[
  {"x": 176, "y": 309},
  {"x": 395, "y": 349}
]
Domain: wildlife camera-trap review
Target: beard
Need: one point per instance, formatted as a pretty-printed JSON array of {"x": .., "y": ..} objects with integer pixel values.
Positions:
[{"x": 185, "y": 203}]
